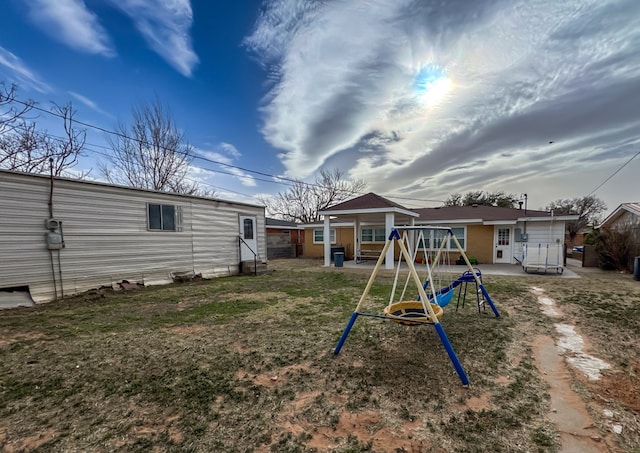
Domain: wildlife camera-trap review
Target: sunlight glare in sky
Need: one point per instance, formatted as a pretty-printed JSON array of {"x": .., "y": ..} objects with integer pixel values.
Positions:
[{"x": 432, "y": 85}]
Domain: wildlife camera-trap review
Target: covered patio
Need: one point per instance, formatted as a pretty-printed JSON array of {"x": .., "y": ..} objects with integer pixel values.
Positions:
[{"x": 369, "y": 210}]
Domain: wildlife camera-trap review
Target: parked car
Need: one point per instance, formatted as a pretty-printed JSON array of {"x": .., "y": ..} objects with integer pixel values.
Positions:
[{"x": 578, "y": 249}]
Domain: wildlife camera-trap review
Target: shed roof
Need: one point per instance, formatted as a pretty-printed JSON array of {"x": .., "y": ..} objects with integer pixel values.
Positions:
[
  {"x": 479, "y": 212},
  {"x": 105, "y": 185},
  {"x": 280, "y": 223}
]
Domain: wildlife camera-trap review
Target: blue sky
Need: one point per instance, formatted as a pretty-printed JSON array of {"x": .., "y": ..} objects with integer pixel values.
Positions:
[{"x": 418, "y": 98}]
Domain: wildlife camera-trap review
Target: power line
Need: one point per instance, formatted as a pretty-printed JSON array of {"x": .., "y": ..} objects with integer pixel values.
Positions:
[
  {"x": 86, "y": 147},
  {"x": 278, "y": 179},
  {"x": 143, "y": 142},
  {"x": 59, "y": 138},
  {"x": 615, "y": 173}
]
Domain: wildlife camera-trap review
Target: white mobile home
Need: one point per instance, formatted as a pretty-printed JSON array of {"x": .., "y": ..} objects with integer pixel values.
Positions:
[{"x": 68, "y": 236}]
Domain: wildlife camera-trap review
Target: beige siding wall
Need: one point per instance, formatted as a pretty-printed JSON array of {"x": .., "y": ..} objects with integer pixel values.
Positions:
[
  {"x": 106, "y": 236},
  {"x": 479, "y": 240},
  {"x": 480, "y": 243},
  {"x": 344, "y": 237},
  {"x": 627, "y": 220}
]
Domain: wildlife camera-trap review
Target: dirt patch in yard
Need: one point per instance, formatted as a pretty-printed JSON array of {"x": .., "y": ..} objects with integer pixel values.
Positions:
[
  {"x": 568, "y": 410},
  {"x": 9, "y": 339},
  {"x": 623, "y": 386},
  {"x": 275, "y": 377},
  {"x": 572, "y": 414},
  {"x": 29, "y": 443}
]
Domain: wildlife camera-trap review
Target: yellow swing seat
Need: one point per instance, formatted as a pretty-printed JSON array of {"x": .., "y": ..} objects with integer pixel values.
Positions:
[{"x": 411, "y": 313}]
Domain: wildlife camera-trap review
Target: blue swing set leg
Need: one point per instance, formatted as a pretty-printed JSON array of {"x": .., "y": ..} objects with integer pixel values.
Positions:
[
  {"x": 441, "y": 333},
  {"x": 345, "y": 334},
  {"x": 488, "y": 299},
  {"x": 452, "y": 354}
]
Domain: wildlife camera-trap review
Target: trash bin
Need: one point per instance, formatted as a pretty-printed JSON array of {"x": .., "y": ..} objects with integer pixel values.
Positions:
[
  {"x": 636, "y": 268},
  {"x": 338, "y": 259},
  {"x": 336, "y": 248}
]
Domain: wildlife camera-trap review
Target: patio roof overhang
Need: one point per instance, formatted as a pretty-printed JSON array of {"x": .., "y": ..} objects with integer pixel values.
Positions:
[{"x": 372, "y": 215}]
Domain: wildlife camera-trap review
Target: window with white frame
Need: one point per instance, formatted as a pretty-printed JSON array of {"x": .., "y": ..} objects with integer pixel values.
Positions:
[
  {"x": 164, "y": 217},
  {"x": 373, "y": 234},
  {"x": 460, "y": 234},
  {"x": 433, "y": 239},
  {"x": 318, "y": 236}
]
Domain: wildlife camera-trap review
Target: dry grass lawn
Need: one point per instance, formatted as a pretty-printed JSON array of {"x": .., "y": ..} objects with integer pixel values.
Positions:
[{"x": 245, "y": 364}]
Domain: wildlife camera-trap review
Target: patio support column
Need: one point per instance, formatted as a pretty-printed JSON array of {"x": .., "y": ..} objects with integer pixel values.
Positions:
[
  {"x": 412, "y": 235},
  {"x": 389, "y": 219},
  {"x": 327, "y": 242},
  {"x": 356, "y": 238}
]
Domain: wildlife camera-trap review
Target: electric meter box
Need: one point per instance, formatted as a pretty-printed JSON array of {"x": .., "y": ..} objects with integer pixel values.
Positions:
[
  {"x": 54, "y": 240},
  {"x": 52, "y": 224}
]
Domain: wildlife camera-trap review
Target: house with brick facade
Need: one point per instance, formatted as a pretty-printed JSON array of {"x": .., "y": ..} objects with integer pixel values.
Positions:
[{"x": 490, "y": 234}]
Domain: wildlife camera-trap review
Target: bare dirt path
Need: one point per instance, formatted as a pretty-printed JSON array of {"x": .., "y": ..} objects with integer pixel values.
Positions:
[
  {"x": 576, "y": 427},
  {"x": 569, "y": 413}
]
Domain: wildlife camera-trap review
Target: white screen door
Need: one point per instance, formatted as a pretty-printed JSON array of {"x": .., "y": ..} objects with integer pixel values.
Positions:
[
  {"x": 502, "y": 247},
  {"x": 248, "y": 232}
]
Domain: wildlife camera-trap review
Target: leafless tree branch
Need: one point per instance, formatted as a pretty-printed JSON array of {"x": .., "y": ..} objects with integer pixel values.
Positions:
[
  {"x": 301, "y": 202},
  {"x": 151, "y": 153},
  {"x": 23, "y": 148},
  {"x": 588, "y": 208},
  {"x": 12, "y": 114}
]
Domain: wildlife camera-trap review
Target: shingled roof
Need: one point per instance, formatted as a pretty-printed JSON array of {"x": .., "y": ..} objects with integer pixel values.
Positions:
[
  {"x": 280, "y": 223},
  {"x": 371, "y": 202},
  {"x": 367, "y": 201},
  {"x": 482, "y": 212}
]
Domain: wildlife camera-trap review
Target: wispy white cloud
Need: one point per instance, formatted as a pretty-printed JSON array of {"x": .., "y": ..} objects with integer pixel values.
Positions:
[
  {"x": 210, "y": 181},
  {"x": 72, "y": 23},
  {"x": 227, "y": 156},
  {"x": 89, "y": 103},
  {"x": 230, "y": 150},
  {"x": 17, "y": 71},
  {"x": 245, "y": 179},
  {"x": 350, "y": 81},
  {"x": 166, "y": 27},
  {"x": 214, "y": 156}
]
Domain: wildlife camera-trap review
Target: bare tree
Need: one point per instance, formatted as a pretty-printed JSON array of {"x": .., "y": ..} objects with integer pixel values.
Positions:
[
  {"x": 66, "y": 151},
  {"x": 500, "y": 198},
  {"x": 301, "y": 202},
  {"x": 151, "y": 153},
  {"x": 23, "y": 148},
  {"x": 12, "y": 113},
  {"x": 588, "y": 209}
]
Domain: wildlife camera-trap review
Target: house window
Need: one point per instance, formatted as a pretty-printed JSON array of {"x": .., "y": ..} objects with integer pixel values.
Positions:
[
  {"x": 503, "y": 236},
  {"x": 459, "y": 234},
  {"x": 247, "y": 225},
  {"x": 439, "y": 236},
  {"x": 433, "y": 239},
  {"x": 164, "y": 217},
  {"x": 371, "y": 234},
  {"x": 318, "y": 236}
]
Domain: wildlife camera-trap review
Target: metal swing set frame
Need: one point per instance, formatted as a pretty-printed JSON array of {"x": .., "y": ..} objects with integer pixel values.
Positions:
[{"x": 426, "y": 309}]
